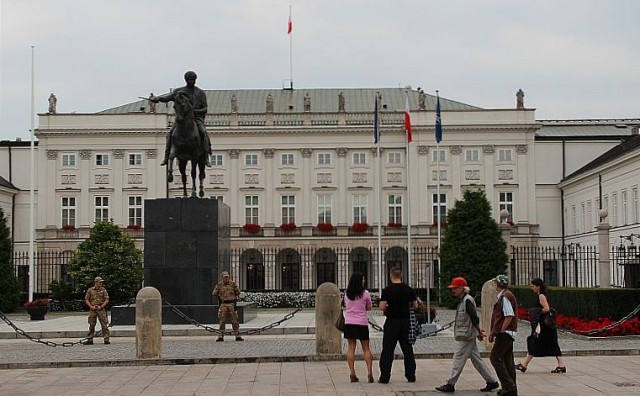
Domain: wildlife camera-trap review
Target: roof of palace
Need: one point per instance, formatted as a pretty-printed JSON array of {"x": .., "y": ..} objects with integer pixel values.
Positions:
[
  {"x": 628, "y": 145},
  {"x": 7, "y": 184},
  {"x": 552, "y": 129},
  {"x": 323, "y": 100}
]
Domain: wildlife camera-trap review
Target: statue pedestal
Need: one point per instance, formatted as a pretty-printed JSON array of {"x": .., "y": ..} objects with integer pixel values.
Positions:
[{"x": 186, "y": 244}]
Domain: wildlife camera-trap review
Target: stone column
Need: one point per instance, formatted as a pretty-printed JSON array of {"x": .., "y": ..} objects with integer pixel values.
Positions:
[
  {"x": 148, "y": 324},
  {"x": 488, "y": 299},
  {"x": 604, "y": 265},
  {"x": 328, "y": 338}
]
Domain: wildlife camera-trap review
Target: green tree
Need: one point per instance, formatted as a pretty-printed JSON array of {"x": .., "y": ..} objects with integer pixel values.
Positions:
[
  {"x": 9, "y": 288},
  {"x": 472, "y": 245},
  {"x": 111, "y": 254}
]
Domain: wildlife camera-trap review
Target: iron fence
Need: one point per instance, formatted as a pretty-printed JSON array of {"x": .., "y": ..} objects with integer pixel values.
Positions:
[{"x": 48, "y": 266}]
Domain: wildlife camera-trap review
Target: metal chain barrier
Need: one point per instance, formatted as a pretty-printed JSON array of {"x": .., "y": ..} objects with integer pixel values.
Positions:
[
  {"x": 50, "y": 343},
  {"x": 230, "y": 332},
  {"x": 594, "y": 332},
  {"x": 376, "y": 327}
]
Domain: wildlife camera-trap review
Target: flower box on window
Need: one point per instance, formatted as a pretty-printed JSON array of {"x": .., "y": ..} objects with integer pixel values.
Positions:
[
  {"x": 442, "y": 224},
  {"x": 251, "y": 228},
  {"x": 135, "y": 227},
  {"x": 286, "y": 227},
  {"x": 360, "y": 227},
  {"x": 325, "y": 227},
  {"x": 394, "y": 225},
  {"x": 68, "y": 228}
]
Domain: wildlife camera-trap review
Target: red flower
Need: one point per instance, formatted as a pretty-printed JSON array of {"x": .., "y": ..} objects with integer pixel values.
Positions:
[
  {"x": 251, "y": 228},
  {"x": 134, "y": 227},
  {"x": 325, "y": 227},
  {"x": 394, "y": 225},
  {"x": 288, "y": 227},
  {"x": 360, "y": 227},
  {"x": 69, "y": 227},
  {"x": 42, "y": 302}
]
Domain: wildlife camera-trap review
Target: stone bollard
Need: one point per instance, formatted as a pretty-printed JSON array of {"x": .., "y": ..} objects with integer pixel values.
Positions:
[
  {"x": 148, "y": 324},
  {"x": 488, "y": 299},
  {"x": 328, "y": 338}
]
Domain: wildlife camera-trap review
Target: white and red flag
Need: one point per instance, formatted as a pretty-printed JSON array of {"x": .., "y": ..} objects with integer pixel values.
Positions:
[
  {"x": 289, "y": 25},
  {"x": 407, "y": 120}
]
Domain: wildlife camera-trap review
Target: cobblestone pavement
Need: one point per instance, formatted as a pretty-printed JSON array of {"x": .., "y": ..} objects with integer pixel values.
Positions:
[{"x": 282, "y": 362}]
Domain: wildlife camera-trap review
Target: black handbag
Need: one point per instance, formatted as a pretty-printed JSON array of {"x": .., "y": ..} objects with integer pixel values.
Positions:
[
  {"x": 340, "y": 322},
  {"x": 549, "y": 318}
]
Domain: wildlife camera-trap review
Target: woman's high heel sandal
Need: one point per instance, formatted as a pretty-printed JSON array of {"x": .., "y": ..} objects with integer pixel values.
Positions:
[
  {"x": 559, "y": 370},
  {"x": 522, "y": 368},
  {"x": 353, "y": 378}
]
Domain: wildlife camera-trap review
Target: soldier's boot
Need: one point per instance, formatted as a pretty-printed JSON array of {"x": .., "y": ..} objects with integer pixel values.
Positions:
[
  {"x": 106, "y": 341},
  {"x": 88, "y": 342},
  {"x": 207, "y": 158},
  {"x": 238, "y": 338},
  {"x": 220, "y": 339}
]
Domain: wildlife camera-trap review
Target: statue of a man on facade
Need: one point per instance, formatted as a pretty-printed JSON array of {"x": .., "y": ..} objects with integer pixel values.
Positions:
[{"x": 53, "y": 101}]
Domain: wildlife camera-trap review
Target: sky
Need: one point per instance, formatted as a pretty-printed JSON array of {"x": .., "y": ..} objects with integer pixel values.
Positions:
[{"x": 574, "y": 59}]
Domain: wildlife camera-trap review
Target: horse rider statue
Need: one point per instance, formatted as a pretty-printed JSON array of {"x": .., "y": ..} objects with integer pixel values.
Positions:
[{"x": 198, "y": 99}]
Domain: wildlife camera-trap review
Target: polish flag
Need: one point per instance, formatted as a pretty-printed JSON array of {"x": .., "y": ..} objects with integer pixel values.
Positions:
[{"x": 407, "y": 120}]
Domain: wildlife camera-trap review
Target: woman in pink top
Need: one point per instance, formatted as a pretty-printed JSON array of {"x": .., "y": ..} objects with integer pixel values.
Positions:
[{"x": 357, "y": 302}]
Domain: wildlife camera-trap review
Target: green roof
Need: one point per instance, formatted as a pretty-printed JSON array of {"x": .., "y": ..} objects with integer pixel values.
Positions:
[{"x": 253, "y": 101}]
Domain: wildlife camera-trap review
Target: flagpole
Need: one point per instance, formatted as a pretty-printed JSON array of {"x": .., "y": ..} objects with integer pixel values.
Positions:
[
  {"x": 438, "y": 123},
  {"x": 290, "y": 50},
  {"x": 376, "y": 134},
  {"x": 407, "y": 126},
  {"x": 32, "y": 176}
]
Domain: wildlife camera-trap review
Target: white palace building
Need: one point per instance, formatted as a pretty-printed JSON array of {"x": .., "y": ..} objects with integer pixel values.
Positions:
[{"x": 300, "y": 171}]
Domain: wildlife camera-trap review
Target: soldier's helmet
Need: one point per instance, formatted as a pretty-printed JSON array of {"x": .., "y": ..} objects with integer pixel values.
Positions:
[
  {"x": 190, "y": 75},
  {"x": 97, "y": 279}
]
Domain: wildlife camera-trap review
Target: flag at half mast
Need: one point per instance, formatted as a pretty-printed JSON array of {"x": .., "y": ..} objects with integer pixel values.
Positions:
[
  {"x": 407, "y": 120},
  {"x": 438, "y": 120}
]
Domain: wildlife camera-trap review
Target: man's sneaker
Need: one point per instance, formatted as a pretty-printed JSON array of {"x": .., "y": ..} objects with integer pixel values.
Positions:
[
  {"x": 447, "y": 388},
  {"x": 238, "y": 338},
  {"x": 88, "y": 342},
  {"x": 220, "y": 339},
  {"x": 107, "y": 342},
  {"x": 490, "y": 386}
]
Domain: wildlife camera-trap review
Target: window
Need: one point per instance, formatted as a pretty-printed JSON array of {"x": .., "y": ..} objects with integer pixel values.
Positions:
[
  {"x": 68, "y": 211},
  {"x": 505, "y": 155},
  {"x": 359, "y": 158},
  {"x": 287, "y": 159},
  {"x": 219, "y": 198},
  {"x": 395, "y": 209},
  {"x": 573, "y": 219},
  {"x": 216, "y": 160},
  {"x": 102, "y": 159},
  {"x": 68, "y": 160},
  {"x": 251, "y": 209},
  {"x": 636, "y": 208},
  {"x": 288, "y": 209},
  {"x": 625, "y": 213},
  {"x": 589, "y": 217},
  {"x": 324, "y": 158},
  {"x": 135, "y": 159},
  {"x": 251, "y": 159},
  {"x": 438, "y": 155},
  {"x": 135, "y": 210},
  {"x": 101, "y": 209},
  {"x": 582, "y": 218},
  {"x": 395, "y": 158},
  {"x": 506, "y": 202},
  {"x": 359, "y": 208},
  {"x": 472, "y": 155},
  {"x": 324, "y": 208},
  {"x": 442, "y": 204}
]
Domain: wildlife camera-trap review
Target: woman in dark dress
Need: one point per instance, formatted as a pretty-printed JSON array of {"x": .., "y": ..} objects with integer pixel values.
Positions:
[{"x": 545, "y": 343}]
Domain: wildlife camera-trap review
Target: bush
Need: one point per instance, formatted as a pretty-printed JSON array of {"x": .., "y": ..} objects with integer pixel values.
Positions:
[{"x": 9, "y": 288}]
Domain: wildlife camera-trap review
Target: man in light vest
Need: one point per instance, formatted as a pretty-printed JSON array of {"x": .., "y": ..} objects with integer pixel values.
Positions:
[{"x": 465, "y": 331}]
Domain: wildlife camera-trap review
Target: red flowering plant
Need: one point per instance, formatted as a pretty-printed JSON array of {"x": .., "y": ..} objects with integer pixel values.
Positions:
[
  {"x": 41, "y": 302},
  {"x": 69, "y": 227},
  {"x": 288, "y": 227},
  {"x": 135, "y": 227},
  {"x": 394, "y": 225},
  {"x": 360, "y": 227},
  {"x": 442, "y": 224},
  {"x": 251, "y": 228},
  {"x": 325, "y": 227},
  {"x": 591, "y": 327}
]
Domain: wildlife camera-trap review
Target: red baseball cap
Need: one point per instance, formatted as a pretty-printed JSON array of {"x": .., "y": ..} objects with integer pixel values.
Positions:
[{"x": 457, "y": 282}]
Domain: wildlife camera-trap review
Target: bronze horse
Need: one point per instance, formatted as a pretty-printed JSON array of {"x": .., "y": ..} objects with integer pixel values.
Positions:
[{"x": 186, "y": 146}]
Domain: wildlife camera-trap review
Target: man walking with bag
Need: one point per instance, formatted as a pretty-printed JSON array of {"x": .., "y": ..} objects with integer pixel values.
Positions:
[
  {"x": 465, "y": 331},
  {"x": 504, "y": 325}
]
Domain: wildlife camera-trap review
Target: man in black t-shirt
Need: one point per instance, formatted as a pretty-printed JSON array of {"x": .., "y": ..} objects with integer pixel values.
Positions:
[{"x": 395, "y": 301}]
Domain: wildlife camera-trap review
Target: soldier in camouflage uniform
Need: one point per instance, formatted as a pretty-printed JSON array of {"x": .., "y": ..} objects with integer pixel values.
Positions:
[
  {"x": 96, "y": 299},
  {"x": 227, "y": 292}
]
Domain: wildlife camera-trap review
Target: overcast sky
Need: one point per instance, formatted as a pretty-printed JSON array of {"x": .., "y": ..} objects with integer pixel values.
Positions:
[{"x": 573, "y": 58}]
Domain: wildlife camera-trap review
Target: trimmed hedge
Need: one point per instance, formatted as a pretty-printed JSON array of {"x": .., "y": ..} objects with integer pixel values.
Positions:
[{"x": 585, "y": 303}]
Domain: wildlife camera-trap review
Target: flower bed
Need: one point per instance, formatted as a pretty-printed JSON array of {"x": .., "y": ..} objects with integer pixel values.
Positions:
[
  {"x": 42, "y": 302},
  {"x": 298, "y": 299},
  {"x": 580, "y": 326}
]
